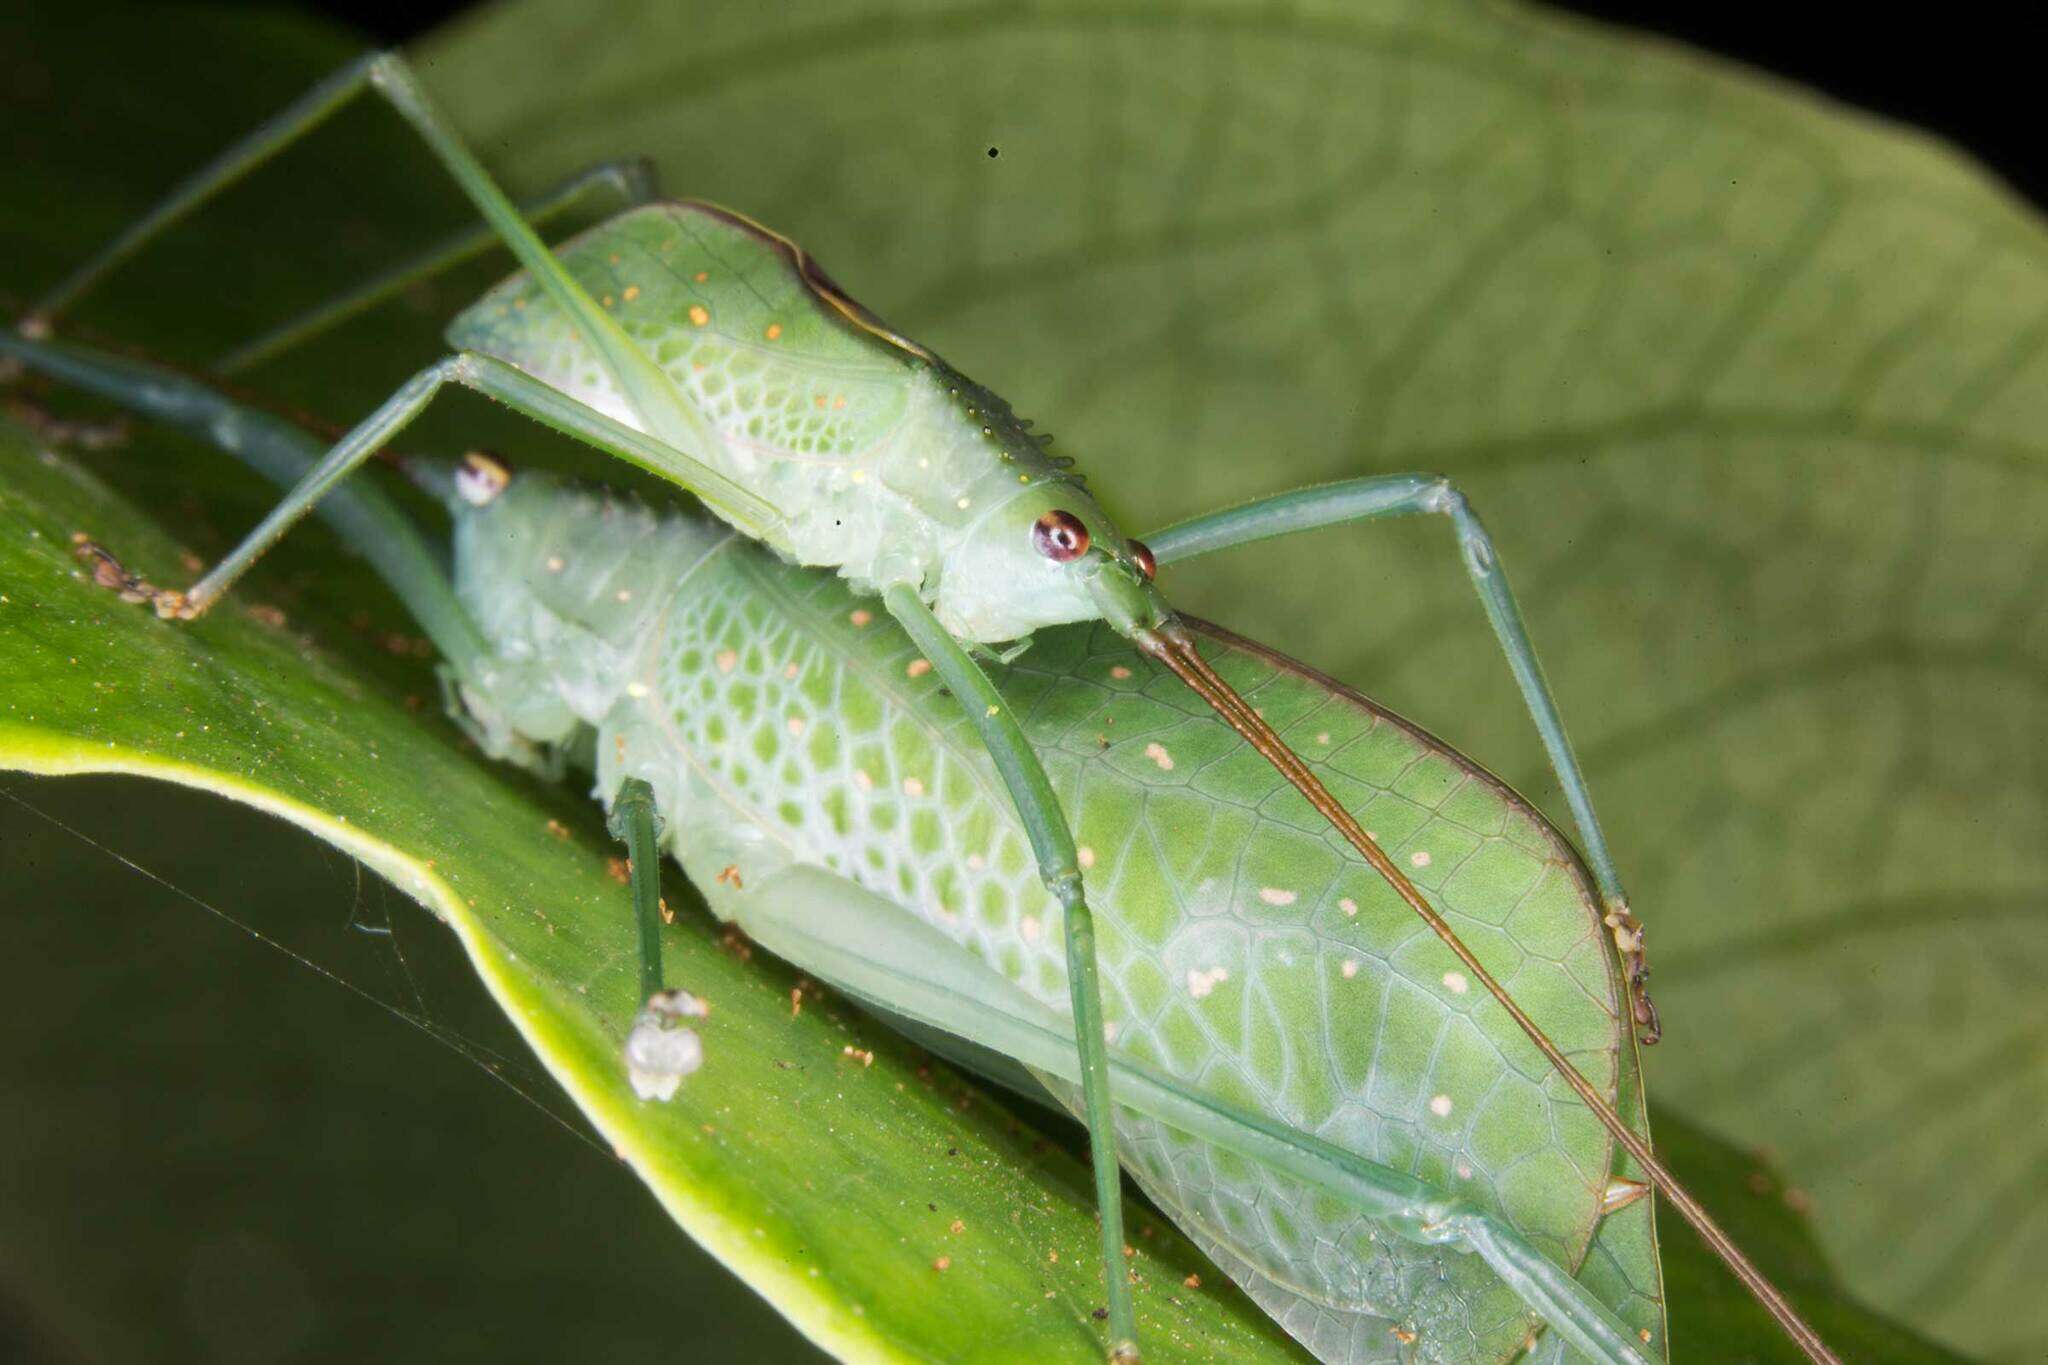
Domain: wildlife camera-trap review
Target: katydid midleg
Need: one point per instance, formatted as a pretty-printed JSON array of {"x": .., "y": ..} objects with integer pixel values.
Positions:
[{"x": 703, "y": 347}]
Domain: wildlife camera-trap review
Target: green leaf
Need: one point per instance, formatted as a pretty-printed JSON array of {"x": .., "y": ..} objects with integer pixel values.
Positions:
[
  {"x": 1764, "y": 1216},
  {"x": 1746, "y": 388}
]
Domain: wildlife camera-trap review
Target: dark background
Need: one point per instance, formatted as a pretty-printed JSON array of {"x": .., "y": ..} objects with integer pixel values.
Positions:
[{"x": 1972, "y": 78}]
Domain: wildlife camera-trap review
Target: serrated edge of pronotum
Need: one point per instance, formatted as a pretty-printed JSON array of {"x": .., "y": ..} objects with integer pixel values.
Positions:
[{"x": 829, "y": 1323}]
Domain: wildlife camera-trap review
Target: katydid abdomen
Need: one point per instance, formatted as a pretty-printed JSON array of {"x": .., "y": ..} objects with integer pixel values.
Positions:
[{"x": 1245, "y": 948}]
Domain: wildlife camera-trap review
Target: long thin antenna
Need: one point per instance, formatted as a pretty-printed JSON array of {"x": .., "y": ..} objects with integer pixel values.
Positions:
[{"x": 1173, "y": 647}]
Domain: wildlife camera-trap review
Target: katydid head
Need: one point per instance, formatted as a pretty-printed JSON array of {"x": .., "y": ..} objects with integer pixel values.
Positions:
[{"x": 1046, "y": 555}]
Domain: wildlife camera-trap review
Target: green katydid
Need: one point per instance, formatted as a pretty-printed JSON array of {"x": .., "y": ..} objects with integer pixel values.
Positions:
[{"x": 698, "y": 345}]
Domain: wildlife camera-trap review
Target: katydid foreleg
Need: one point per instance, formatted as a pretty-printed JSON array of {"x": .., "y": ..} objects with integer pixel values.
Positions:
[
  {"x": 1052, "y": 843},
  {"x": 1394, "y": 495}
]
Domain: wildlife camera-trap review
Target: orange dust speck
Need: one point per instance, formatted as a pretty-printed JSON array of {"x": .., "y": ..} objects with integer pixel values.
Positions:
[
  {"x": 631, "y": 292},
  {"x": 702, "y": 276},
  {"x": 958, "y": 1227},
  {"x": 619, "y": 870},
  {"x": 729, "y": 875},
  {"x": 917, "y": 668},
  {"x": 558, "y": 829},
  {"x": 861, "y": 616},
  {"x": 774, "y": 330},
  {"x": 699, "y": 314},
  {"x": 796, "y": 1001},
  {"x": 1193, "y": 1282},
  {"x": 943, "y": 1264},
  {"x": 1403, "y": 1335}
]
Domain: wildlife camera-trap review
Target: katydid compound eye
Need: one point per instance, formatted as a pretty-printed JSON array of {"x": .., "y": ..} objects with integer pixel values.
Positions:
[
  {"x": 1141, "y": 555},
  {"x": 1060, "y": 536}
]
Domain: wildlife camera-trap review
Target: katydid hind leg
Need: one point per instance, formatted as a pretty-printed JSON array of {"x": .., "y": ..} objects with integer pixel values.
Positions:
[
  {"x": 645, "y": 387},
  {"x": 1394, "y": 495},
  {"x": 1052, "y": 843},
  {"x": 631, "y": 182},
  {"x": 258, "y": 146}
]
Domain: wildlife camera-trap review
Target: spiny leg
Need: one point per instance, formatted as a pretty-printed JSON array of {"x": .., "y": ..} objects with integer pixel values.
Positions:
[
  {"x": 1052, "y": 843},
  {"x": 646, "y": 388},
  {"x": 660, "y": 1049},
  {"x": 632, "y": 181},
  {"x": 1396, "y": 495},
  {"x": 487, "y": 376}
]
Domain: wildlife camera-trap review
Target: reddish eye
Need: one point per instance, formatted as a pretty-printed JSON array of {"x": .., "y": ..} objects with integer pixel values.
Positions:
[
  {"x": 1060, "y": 536},
  {"x": 1141, "y": 555}
]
